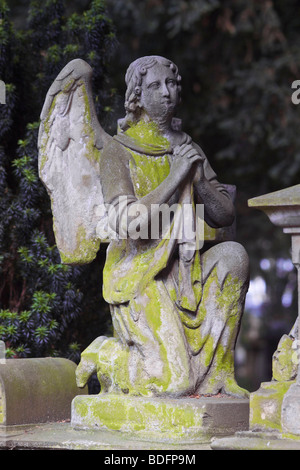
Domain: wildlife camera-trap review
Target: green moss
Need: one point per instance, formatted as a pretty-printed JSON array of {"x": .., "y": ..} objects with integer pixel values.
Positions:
[
  {"x": 209, "y": 232},
  {"x": 294, "y": 437},
  {"x": 265, "y": 405},
  {"x": 112, "y": 365},
  {"x": 153, "y": 313},
  {"x": 84, "y": 251},
  {"x": 215, "y": 356},
  {"x": 148, "y": 134},
  {"x": 141, "y": 382},
  {"x": 86, "y": 248},
  {"x": 150, "y": 418},
  {"x": 283, "y": 367},
  {"x": 147, "y": 175},
  {"x": 46, "y": 135},
  {"x": 120, "y": 284},
  {"x": 91, "y": 153}
]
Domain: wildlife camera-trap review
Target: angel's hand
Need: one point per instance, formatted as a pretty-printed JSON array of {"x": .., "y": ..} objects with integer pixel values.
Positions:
[{"x": 184, "y": 158}]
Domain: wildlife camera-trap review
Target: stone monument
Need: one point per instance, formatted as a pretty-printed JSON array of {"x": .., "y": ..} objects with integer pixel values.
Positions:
[
  {"x": 176, "y": 307},
  {"x": 36, "y": 390}
]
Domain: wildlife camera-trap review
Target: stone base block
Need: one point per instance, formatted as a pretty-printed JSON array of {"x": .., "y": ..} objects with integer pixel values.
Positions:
[
  {"x": 161, "y": 419},
  {"x": 266, "y": 406}
]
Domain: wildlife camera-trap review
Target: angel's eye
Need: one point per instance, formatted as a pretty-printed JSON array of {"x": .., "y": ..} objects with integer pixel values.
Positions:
[
  {"x": 171, "y": 82},
  {"x": 154, "y": 85}
]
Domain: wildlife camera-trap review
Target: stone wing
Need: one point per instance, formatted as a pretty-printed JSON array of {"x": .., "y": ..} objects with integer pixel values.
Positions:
[{"x": 70, "y": 143}]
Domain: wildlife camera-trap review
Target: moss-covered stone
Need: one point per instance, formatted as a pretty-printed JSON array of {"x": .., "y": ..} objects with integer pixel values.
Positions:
[
  {"x": 283, "y": 366},
  {"x": 69, "y": 142},
  {"x": 167, "y": 420},
  {"x": 148, "y": 135},
  {"x": 86, "y": 248},
  {"x": 266, "y": 404}
]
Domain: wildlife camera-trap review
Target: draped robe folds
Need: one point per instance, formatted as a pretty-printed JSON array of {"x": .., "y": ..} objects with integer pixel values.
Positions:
[{"x": 175, "y": 311}]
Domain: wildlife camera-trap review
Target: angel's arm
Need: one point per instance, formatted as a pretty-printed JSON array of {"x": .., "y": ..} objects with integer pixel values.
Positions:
[{"x": 218, "y": 207}]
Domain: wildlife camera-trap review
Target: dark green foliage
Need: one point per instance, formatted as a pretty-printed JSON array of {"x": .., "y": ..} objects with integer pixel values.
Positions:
[{"x": 41, "y": 300}]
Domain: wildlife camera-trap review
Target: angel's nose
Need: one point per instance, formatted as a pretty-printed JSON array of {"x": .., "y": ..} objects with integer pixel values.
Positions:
[{"x": 165, "y": 90}]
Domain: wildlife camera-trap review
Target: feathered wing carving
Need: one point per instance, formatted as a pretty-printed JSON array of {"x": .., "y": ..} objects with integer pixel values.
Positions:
[{"x": 70, "y": 143}]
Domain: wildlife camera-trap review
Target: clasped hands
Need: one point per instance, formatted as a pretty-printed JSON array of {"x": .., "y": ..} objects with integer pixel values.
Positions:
[{"x": 185, "y": 156}]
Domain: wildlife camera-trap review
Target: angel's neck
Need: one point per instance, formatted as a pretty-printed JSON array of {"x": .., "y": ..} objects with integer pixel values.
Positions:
[
  {"x": 164, "y": 127},
  {"x": 163, "y": 123}
]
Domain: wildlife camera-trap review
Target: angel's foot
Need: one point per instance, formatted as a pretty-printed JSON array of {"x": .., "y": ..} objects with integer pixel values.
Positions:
[
  {"x": 89, "y": 362},
  {"x": 84, "y": 371}
]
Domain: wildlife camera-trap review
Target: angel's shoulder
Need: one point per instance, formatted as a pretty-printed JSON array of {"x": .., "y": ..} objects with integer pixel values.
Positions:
[{"x": 114, "y": 151}]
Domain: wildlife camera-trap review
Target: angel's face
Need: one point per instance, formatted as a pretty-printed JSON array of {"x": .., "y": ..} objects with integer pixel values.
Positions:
[{"x": 159, "y": 92}]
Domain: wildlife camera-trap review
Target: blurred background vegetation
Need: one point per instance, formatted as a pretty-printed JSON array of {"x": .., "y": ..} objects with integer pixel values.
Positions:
[{"x": 237, "y": 59}]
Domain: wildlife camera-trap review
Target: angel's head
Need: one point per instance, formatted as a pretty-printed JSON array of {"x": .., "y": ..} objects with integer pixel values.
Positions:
[{"x": 153, "y": 87}]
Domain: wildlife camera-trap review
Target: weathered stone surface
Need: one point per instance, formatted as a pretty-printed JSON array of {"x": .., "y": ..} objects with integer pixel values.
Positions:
[
  {"x": 61, "y": 436},
  {"x": 282, "y": 207},
  {"x": 70, "y": 142},
  {"x": 222, "y": 234},
  {"x": 290, "y": 416},
  {"x": 284, "y": 197},
  {"x": 283, "y": 366},
  {"x": 266, "y": 405},
  {"x": 184, "y": 420},
  {"x": 256, "y": 441},
  {"x": 36, "y": 390}
]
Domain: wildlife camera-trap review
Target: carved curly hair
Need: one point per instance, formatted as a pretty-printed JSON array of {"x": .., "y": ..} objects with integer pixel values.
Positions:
[{"x": 134, "y": 77}]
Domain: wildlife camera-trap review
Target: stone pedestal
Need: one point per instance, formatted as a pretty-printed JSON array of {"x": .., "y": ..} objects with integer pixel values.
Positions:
[
  {"x": 181, "y": 420},
  {"x": 266, "y": 406}
]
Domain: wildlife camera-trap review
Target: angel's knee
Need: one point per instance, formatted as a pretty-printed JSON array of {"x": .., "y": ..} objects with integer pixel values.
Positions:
[
  {"x": 236, "y": 261},
  {"x": 229, "y": 258}
]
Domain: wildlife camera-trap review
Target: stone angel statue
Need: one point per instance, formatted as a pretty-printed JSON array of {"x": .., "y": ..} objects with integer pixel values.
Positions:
[{"x": 176, "y": 307}]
